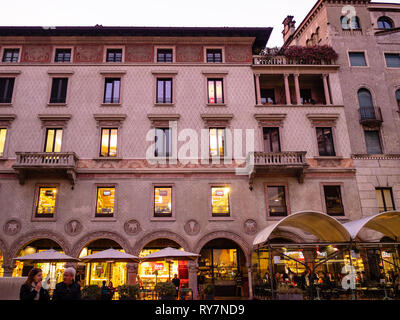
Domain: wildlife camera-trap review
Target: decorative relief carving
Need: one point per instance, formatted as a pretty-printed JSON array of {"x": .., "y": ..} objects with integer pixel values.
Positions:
[
  {"x": 89, "y": 53},
  {"x": 250, "y": 227},
  {"x": 139, "y": 53},
  {"x": 36, "y": 54},
  {"x": 73, "y": 227},
  {"x": 189, "y": 53},
  {"x": 12, "y": 227},
  {"x": 192, "y": 227},
  {"x": 238, "y": 53},
  {"x": 132, "y": 227}
]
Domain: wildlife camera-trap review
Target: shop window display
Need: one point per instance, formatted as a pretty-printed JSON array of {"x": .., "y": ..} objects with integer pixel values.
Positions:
[
  {"x": 105, "y": 201},
  {"x": 46, "y": 202},
  {"x": 220, "y": 201},
  {"x": 162, "y": 201}
]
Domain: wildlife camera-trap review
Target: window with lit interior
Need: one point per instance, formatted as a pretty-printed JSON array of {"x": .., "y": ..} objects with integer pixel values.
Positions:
[
  {"x": 46, "y": 202},
  {"x": 162, "y": 201},
  {"x": 105, "y": 201},
  {"x": 220, "y": 201}
]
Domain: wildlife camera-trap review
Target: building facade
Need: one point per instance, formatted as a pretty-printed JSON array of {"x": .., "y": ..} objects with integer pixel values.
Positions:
[{"x": 139, "y": 139}]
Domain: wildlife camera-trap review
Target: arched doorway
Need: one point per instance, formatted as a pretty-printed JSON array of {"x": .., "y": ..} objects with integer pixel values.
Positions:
[
  {"x": 54, "y": 270},
  {"x": 152, "y": 272},
  {"x": 96, "y": 272},
  {"x": 222, "y": 263}
]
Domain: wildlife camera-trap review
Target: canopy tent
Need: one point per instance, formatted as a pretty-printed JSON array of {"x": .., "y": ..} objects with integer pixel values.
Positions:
[
  {"x": 323, "y": 226},
  {"x": 47, "y": 256},
  {"x": 170, "y": 253},
  {"x": 387, "y": 223},
  {"x": 110, "y": 255}
]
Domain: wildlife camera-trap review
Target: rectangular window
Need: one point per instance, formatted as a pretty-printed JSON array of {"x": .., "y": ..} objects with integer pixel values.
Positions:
[
  {"x": 373, "y": 142},
  {"x": 10, "y": 55},
  {"x": 215, "y": 91},
  {"x": 105, "y": 201},
  {"x": 214, "y": 55},
  {"x": 385, "y": 199},
  {"x": 6, "y": 89},
  {"x": 163, "y": 201},
  {"x": 220, "y": 201},
  {"x": 53, "y": 140},
  {"x": 276, "y": 201},
  {"x": 163, "y": 141},
  {"x": 114, "y": 55},
  {"x": 46, "y": 202},
  {"x": 109, "y": 137},
  {"x": 164, "y": 90},
  {"x": 217, "y": 142},
  {"x": 357, "y": 59},
  {"x": 325, "y": 142},
  {"x": 112, "y": 90},
  {"x": 164, "y": 55},
  {"x": 268, "y": 96},
  {"x": 392, "y": 60},
  {"x": 271, "y": 140},
  {"x": 62, "y": 55},
  {"x": 59, "y": 90},
  {"x": 3, "y": 136},
  {"x": 306, "y": 96},
  {"x": 333, "y": 201}
]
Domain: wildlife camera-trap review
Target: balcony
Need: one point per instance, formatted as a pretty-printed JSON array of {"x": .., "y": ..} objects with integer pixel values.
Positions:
[
  {"x": 282, "y": 60},
  {"x": 61, "y": 164},
  {"x": 291, "y": 163},
  {"x": 371, "y": 116}
]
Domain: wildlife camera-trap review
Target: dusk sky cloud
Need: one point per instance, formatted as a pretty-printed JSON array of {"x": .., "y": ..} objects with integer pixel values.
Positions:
[{"x": 189, "y": 13}]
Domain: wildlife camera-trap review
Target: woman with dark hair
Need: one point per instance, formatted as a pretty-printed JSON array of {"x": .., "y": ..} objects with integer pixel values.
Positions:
[{"x": 32, "y": 288}]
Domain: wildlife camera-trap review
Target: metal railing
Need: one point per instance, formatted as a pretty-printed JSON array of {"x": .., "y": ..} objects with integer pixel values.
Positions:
[{"x": 370, "y": 114}]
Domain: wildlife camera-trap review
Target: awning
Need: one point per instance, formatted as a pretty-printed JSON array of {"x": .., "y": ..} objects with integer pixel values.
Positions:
[
  {"x": 47, "y": 256},
  {"x": 111, "y": 255},
  {"x": 324, "y": 227},
  {"x": 387, "y": 223}
]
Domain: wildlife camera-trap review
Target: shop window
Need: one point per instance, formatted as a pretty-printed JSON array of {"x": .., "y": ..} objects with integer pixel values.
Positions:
[
  {"x": 109, "y": 138},
  {"x": 163, "y": 201},
  {"x": 217, "y": 142},
  {"x": 333, "y": 200},
  {"x": 6, "y": 89},
  {"x": 220, "y": 201},
  {"x": 325, "y": 142},
  {"x": 385, "y": 23},
  {"x": 276, "y": 201},
  {"x": 357, "y": 59},
  {"x": 268, "y": 96},
  {"x": 271, "y": 140},
  {"x": 105, "y": 201},
  {"x": 46, "y": 202},
  {"x": 164, "y": 55},
  {"x": 114, "y": 55},
  {"x": 62, "y": 55},
  {"x": 59, "y": 90},
  {"x": 10, "y": 55},
  {"x": 53, "y": 140},
  {"x": 385, "y": 199},
  {"x": 373, "y": 142},
  {"x": 164, "y": 90},
  {"x": 3, "y": 136},
  {"x": 163, "y": 141},
  {"x": 112, "y": 90},
  {"x": 392, "y": 60},
  {"x": 214, "y": 55},
  {"x": 215, "y": 91}
]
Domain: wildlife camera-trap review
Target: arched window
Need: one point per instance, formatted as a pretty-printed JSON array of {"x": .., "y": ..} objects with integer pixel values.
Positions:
[
  {"x": 398, "y": 97},
  {"x": 365, "y": 98},
  {"x": 385, "y": 23},
  {"x": 350, "y": 23}
]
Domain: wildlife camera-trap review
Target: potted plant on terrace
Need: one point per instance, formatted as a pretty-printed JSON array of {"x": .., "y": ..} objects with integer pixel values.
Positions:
[
  {"x": 166, "y": 290},
  {"x": 129, "y": 292},
  {"x": 92, "y": 292}
]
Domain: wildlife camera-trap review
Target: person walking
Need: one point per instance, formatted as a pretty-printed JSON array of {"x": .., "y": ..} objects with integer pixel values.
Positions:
[
  {"x": 32, "y": 289},
  {"x": 68, "y": 289},
  {"x": 177, "y": 282},
  {"x": 105, "y": 292}
]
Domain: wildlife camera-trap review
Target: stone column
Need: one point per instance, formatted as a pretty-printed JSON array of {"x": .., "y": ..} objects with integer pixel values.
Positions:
[
  {"x": 258, "y": 89},
  {"x": 193, "y": 268},
  {"x": 8, "y": 270},
  {"x": 250, "y": 275},
  {"x": 297, "y": 88},
  {"x": 287, "y": 89},
  {"x": 326, "y": 89},
  {"x": 132, "y": 269}
]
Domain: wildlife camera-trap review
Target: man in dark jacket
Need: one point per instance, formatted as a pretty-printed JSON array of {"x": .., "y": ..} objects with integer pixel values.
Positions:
[
  {"x": 177, "y": 282},
  {"x": 68, "y": 289}
]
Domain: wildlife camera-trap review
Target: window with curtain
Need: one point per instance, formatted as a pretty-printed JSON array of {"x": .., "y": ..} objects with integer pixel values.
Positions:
[
  {"x": 164, "y": 90},
  {"x": 112, "y": 90},
  {"x": 271, "y": 140},
  {"x": 109, "y": 139},
  {"x": 217, "y": 142},
  {"x": 373, "y": 142},
  {"x": 163, "y": 140},
  {"x": 53, "y": 140},
  {"x": 325, "y": 142},
  {"x": 215, "y": 91}
]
